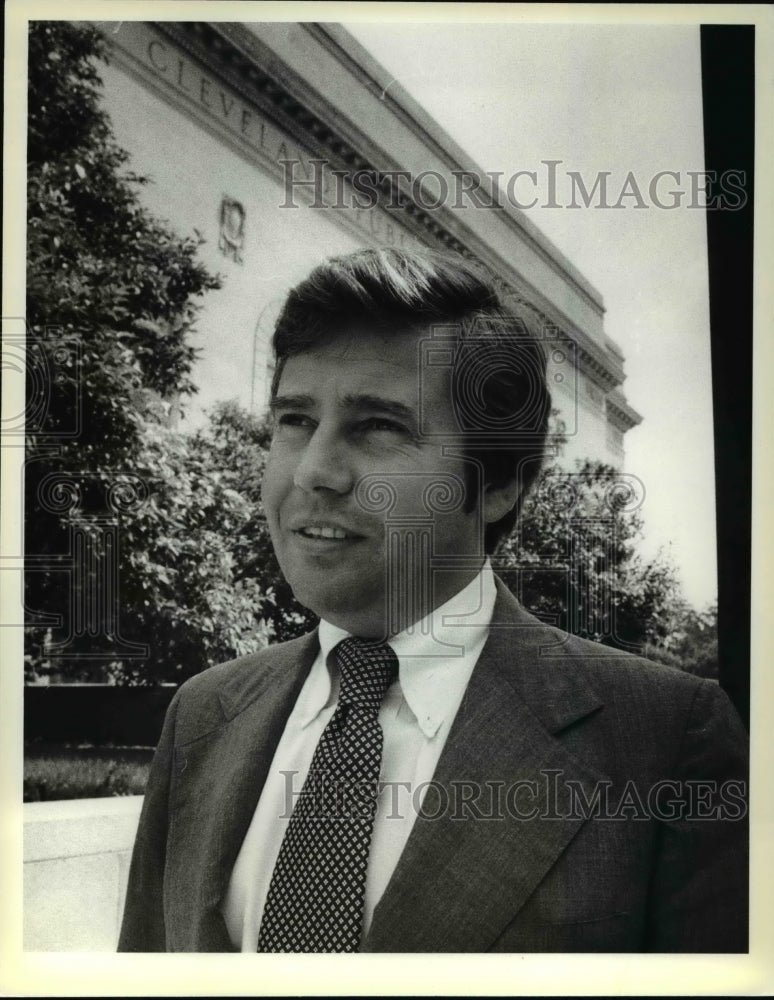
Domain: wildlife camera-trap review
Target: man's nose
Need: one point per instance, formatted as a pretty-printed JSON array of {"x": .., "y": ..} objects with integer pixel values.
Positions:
[{"x": 324, "y": 464}]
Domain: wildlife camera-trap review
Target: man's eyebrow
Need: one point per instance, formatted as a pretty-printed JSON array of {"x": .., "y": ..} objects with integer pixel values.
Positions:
[
  {"x": 366, "y": 401},
  {"x": 299, "y": 401},
  {"x": 351, "y": 401}
]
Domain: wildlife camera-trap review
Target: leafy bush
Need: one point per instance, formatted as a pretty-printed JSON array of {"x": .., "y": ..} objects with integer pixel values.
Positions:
[
  {"x": 202, "y": 582},
  {"x": 693, "y": 646},
  {"x": 573, "y": 558},
  {"x": 199, "y": 582}
]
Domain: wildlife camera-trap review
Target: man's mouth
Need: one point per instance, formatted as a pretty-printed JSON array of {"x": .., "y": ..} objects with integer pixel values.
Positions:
[{"x": 328, "y": 532}]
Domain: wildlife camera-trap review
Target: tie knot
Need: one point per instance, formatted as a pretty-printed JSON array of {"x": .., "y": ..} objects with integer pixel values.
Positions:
[{"x": 367, "y": 670}]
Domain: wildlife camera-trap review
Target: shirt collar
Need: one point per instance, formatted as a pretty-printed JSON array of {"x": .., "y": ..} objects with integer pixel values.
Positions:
[{"x": 436, "y": 656}]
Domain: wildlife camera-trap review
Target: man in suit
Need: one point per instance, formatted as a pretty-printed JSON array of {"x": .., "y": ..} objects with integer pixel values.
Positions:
[{"x": 432, "y": 769}]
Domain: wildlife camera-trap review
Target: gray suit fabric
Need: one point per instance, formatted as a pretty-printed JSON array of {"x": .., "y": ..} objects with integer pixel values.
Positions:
[{"x": 545, "y": 714}]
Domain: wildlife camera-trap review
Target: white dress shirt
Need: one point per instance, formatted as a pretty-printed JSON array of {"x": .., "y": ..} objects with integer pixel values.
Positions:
[{"x": 436, "y": 658}]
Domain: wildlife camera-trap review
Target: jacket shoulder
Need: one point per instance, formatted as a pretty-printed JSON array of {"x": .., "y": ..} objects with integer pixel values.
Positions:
[
  {"x": 554, "y": 668},
  {"x": 213, "y": 678},
  {"x": 625, "y": 678},
  {"x": 222, "y": 691},
  {"x": 550, "y": 649}
]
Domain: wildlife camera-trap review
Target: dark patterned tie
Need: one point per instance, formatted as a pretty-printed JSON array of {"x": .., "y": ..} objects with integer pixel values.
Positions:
[{"x": 317, "y": 889}]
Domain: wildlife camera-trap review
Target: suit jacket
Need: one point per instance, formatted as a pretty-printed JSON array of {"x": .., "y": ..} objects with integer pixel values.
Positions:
[{"x": 577, "y": 841}]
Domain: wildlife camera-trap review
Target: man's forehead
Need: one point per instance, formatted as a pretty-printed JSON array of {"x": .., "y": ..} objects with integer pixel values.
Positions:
[
  {"x": 363, "y": 359},
  {"x": 352, "y": 386},
  {"x": 367, "y": 342},
  {"x": 365, "y": 369}
]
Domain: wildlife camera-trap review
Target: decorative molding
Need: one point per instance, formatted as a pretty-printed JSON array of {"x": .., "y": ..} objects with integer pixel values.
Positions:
[
  {"x": 594, "y": 393},
  {"x": 238, "y": 55},
  {"x": 620, "y": 414},
  {"x": 247, "y": 65},
  {"x": 193, "y": 88},
  {"x": 215, "y": 45}
]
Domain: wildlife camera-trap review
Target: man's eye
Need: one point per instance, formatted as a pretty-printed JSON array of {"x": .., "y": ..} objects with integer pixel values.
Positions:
[
  {"x": 294, "y": 420},
  {"x": 293, "y": 425},
  {"x": 382, "y": 424}
]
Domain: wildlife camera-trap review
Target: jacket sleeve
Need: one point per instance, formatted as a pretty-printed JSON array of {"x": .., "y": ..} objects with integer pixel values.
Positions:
[
  {"x": 143, "y": 927},
  {"x": 699, "y": 889}
]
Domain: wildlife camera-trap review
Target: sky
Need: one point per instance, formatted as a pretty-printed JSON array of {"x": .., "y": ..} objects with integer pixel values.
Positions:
[{"x": 623, "y": 99}]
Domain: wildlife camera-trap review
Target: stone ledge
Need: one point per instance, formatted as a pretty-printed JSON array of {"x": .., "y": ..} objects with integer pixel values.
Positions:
[
  {"x": 68, "y": 828},
  {"x": 76, "y": 863}
]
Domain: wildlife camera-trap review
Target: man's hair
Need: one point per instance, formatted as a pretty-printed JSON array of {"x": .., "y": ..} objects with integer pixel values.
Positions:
[{"x": 499, "y": 392}]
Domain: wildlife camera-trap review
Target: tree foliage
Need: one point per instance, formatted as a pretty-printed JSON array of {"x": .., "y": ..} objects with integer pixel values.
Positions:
[
  {"x": 201, "y": 577},
  {"x": 111, "y": 298},
  {"x": 693, "y": 644},
  {"x": 573, "y": 560},
  {"x": 198, "y": 580},
  {"x": 101, "y": 270}
]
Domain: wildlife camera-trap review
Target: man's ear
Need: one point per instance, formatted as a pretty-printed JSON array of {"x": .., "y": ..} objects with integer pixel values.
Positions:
[{"x": 499, "y": 500}]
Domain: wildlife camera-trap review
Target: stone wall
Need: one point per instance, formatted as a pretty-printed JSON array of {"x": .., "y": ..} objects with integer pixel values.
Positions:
[{"x": 76, "y": 864}]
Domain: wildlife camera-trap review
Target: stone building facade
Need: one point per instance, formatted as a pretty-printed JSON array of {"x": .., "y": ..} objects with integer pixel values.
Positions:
[{"x": 282, "y": 143}]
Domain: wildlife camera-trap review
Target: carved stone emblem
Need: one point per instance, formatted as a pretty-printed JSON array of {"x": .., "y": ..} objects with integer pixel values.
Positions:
[{"x": 232, "y": 229}]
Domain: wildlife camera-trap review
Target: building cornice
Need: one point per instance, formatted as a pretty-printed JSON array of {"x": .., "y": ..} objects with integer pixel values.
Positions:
[{"x": 619, "y": 413}]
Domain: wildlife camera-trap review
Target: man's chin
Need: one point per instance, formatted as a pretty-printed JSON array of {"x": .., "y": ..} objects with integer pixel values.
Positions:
[{"x": 345, "y": 608}]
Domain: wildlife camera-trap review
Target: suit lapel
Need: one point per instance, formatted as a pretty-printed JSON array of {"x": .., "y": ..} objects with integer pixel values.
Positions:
[
  {"x": 220, "y": 775},
  {"x": 462, "y": 876}
]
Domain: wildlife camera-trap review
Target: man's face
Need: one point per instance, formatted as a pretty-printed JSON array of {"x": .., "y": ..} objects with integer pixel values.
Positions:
[{"x": 347, "y": 410}]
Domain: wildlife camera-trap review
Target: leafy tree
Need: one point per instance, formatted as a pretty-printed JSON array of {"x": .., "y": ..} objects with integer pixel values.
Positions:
[
  {"x": 573, "y": 560},
  {"x": 198, "y": 579},
  {"x": 693, "y": 646},
  {"x": 111, "y": 297},
  {"x": 203, "y": 584},
  {"x": 101, "y": 269}
]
